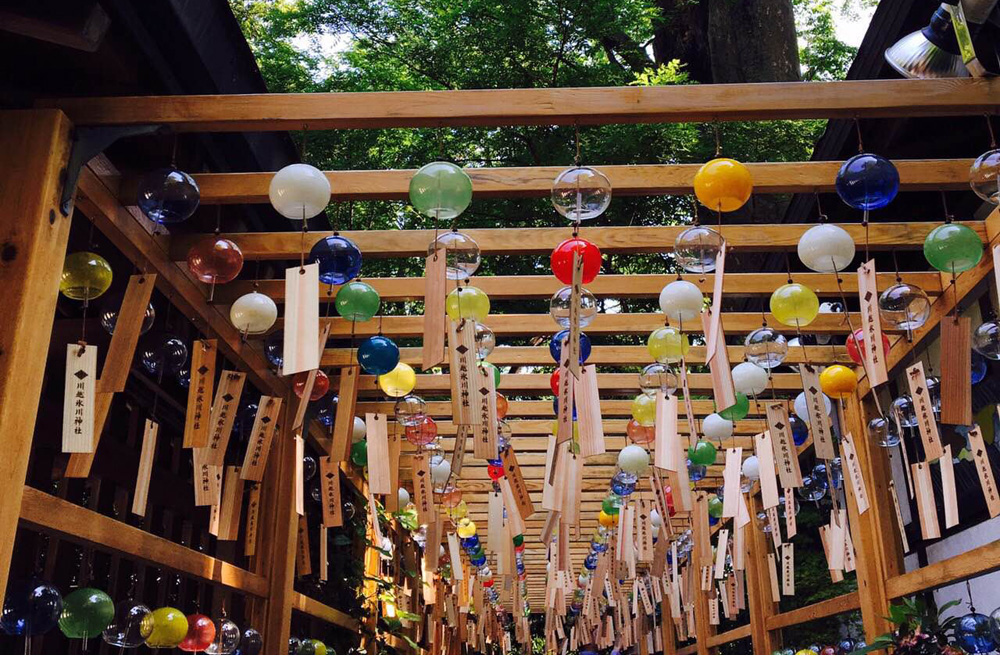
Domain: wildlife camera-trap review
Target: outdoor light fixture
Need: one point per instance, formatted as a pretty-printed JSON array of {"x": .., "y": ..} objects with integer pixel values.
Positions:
[{"x": 931, "y": 52}]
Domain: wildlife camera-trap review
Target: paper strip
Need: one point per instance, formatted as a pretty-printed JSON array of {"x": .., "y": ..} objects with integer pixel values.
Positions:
[
  {"x": 985, "y": 470},
  {"x": 926, "y": 508},
  {"x": 926, "y": 421},
  {"x": 871, "y": 323},
  {"x": 765, "y": 461},
  {"x": 854, "y": 475},
  {"x": 435, "y": 270}
]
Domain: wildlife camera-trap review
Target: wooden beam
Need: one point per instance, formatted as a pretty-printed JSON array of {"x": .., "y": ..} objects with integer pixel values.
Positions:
[
  {"x": 565, "y": 106},
  {"x": 286, "y": 245},
  {"x": 412, "y": 326},
  {"x": 539, "y": 383},
  {"x": 875, "y": 533},
  {"x": 325, "y": 613},
  {"x": 761, "y": 604},
  {"x": 282, "y": 536},
  {"x": 34, "y": 150},
  {"x": 977, "y": 561},
  {"x": 630, "y": 286},
  {"x": 626, "y": 180},
  {"x": 55, "y": 516},
  {"x": 519, "y": 409},
  {"x": 599, "y": 355},
  {"x": 131, "y": 233},
  {"x": 832, "y": 607},
  {"x": 735, "y": 634}
]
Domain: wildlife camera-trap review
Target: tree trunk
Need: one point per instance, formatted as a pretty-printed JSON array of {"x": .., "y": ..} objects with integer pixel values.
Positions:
[{"x": 723, "y": 41}]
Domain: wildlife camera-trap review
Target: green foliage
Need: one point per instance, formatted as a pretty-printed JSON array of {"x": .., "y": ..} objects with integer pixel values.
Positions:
[
  {"x": 919, "y": 629},
  {"x": 822, "y": 55}
]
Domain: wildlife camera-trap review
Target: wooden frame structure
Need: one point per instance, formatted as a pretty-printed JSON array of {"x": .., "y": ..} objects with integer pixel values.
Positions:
[{"x": 33, "y": 250}]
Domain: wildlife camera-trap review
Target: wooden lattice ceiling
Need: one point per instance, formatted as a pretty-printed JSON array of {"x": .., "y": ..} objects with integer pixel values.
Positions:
[{"x": 532, "y": 412}]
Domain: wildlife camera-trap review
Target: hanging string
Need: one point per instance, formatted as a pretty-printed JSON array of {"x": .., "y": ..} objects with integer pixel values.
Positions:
[
  {"x": 718, "y": 138},
  {"x": 989, "y": 128},
  {"x": 173, "y": 152},
  {"x": 821, "y": 216},
  {"x": 857, "y": 128},
  {"x": 576, "y": 157},
  {"x": 968, "y": 589}
]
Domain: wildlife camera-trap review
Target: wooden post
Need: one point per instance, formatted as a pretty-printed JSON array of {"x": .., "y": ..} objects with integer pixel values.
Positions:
[
  {"x": 35, "y": 147},
  {"x": 278, "y": 541},
  {"x": 761, "y": 605},
  {"x": 875, "y": 534},
  {"x": 703, "y": 629}
]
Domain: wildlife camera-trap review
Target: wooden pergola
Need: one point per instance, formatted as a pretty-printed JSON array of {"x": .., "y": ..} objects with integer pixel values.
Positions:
[{"x": 37, "y": 144}]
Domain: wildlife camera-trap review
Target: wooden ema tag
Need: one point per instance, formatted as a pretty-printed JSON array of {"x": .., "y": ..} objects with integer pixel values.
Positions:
[
  {"x": 78, "y": 398},
  {"x": 513, "y": 474},
  {"x": 145, "y": 467},
  {"x": 666, "y": 454},
  {"x": 772, "y": 570},
  {"x": 300, "y": 349},
  {"x": 576, "y": 292},
  {"x": 956, "y": 371},
  {"x": 791, "y": 527},
  {"x": 423, "y": 491},
  {"x": 948, "y": 491},
  {"x": 739, "y": 548},
  {"x": 324, "y": 554},
  {"x": 333, "y": 512},
  {"x": 659, "y": 563},
  {"x": 706, "y": 578},
  {"x": 985, "y": 470},
  {"x": 722, "y": 374},
  {"x": 435, "y": 279},
  {"x": 788, "y": 568},
  {"x": 659, "y": 497},
  {"x": 838, "y": 539},
  {"x": 871, "y": 324},
  {"x": 300, "y": 479},
  {"x": 549, "y": 527},
  {"x": 644, "y": 531},
  {"x": 213, "y": 512},
  {"x": 688, "y": 408},
  {"x": 902, "y": 449},
  {"x": 207, "y": 479},
  {"x": 855, "y": 476},
  {"x": 715, "y": 311},
  {"x": 455, "y": 553},
  {"x": 683, "y": 501},
  {"x": 391, "y": 502},
  {"x": 464, "y": 372},
  {"x": 996, "y": 270},
  {"x": 786, "y": 457},
  {"x": 307, "y": 388},
  {"x": 772, "y": 519},
  {"x": 379, "y": 479},
  {"x": 510, "y": 504},
  {"x": 731, "y": 482},
  {"x": 768, "y": 478},
  {"x": 567, "y": 384},
  {"x": 253, "y": 521},
  {"x": 196, "y": 421},
  {"x": 926, "y": 421},
  {"x": 899, "y": 516},
  {"x": 926, "y": 508},
  {"x": 819, "y": 421},
  {"x": 227, "y": 397},
  {"x": 117, "y": 364},
  {"x": 303, "y": 560},
  {"x": 484, "y": 429},
  {"x": 743, "y": 515},
  {"x": 700, "y": 531},
  {"x": 232, "y": 504},
  {"x": 260, "y": 438},
  {"x": 343, "y": 422},
  {"x": 458, "y": 453},
  {"x": 554, "y": 454},
  {"x": 588, "y": 408},
  {"x": 721, "y": 550},
  {"x": 373, "y": 520},
  {"x": 713, "y": 610}
]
